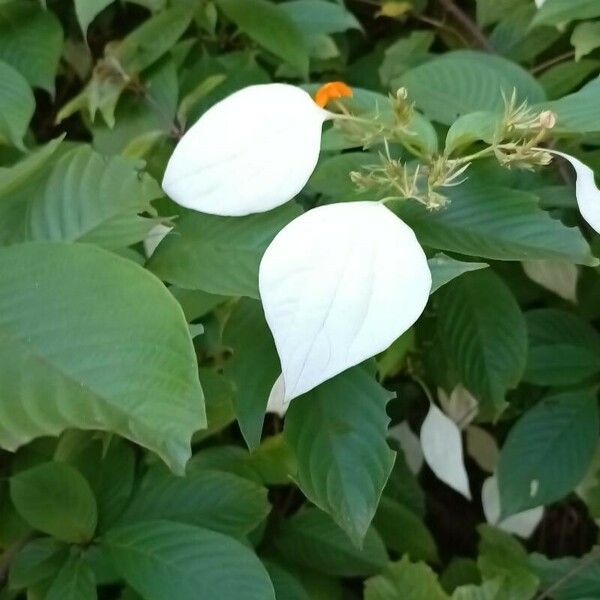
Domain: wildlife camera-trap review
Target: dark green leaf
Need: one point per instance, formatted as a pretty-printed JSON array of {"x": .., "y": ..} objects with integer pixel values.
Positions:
[
  {"x": 160, "y": 559},
  {"x": 337, "y": 432}
]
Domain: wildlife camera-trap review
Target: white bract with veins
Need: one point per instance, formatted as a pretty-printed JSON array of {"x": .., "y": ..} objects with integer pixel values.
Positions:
[
  {"x": 588, "y": 194},
  {"x": 249, "y": 153},
  {"x": 339, "y": 284}
]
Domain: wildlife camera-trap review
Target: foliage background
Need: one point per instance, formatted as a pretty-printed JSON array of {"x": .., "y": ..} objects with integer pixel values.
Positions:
[{"x": 110, "y": 361}]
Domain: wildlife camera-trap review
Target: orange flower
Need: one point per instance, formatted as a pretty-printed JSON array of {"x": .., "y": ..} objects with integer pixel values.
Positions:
[{"x": 330, "y": 91}]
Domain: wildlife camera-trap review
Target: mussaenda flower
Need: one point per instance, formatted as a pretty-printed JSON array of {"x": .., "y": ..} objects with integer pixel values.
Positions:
[
  {"x": 252, "y": 151},
  {"x": 338, "y": 284}
]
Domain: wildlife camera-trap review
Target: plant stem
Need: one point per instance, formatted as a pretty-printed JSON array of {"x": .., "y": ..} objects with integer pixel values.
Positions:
[
  {"x": 469, "y": 25},
  {"x": 551, "y": 62}
]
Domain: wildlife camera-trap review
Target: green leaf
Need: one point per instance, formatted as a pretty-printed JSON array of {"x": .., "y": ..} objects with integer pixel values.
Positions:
[
  {"x": 75, "y": 581},
  {"x": 445, "y": 268},
  {"x": 92, "y": 198},
  {"x": 16, "y": 106},
  {"x": 108, "y": 464},
  {"x": 55, "y": 498},
  {"x": 270, "y": 27},
  {"x": 548, "y": 451},
  {"x": 470, "y": 128},
  {"x": 318, "y": 16},
  {"x": 92, "y": 341},
  {"x": 578, "y": 112},
  {"x": 338, "y": 434},
  {"x": 404, "y": 580},
  {"x": 160, "y": 559},
  {"x": 502, "y": 556},
  {"x": 579, "y": 577},
  {"x": 219, "y": 255},
  {"x": 311, "y": 538},
  {"x": 151, "y": 40},
  {"x": 558, "y": 12},
  {"x": 38, "y": 560},
  {"x": 585, "y": 38},
  {"x": 249, "y": 337},
  {"x": 404, "y": 532},
  {"x": 496, "y": 223},
  {"x": 565, "y": 77},
  {"x": 287, "y": 586},
  {"x": 207, "y": 498},
  {"x": 31, "y": 41},
  {"x": 87, "y": 10},
  {"x": 483, "y": 332},
  {"x": 563, "y": 348},
  {"x": 218, "y": 397},
  {"x": 465, "y": 81},
  {"x": 405, "y": 53}
]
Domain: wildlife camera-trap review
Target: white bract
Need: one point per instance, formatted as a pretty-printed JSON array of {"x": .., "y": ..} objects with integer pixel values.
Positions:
[
  {"x": 588, "y": 194},
  {"x": 522, "y": 524},
  {"x": 339, "y": 284},
  {"x": 275, "y": 403},
  {"x": 410, "y": 445},
  {"x": 442, "y": 448},
  {"x": 461, "y": 406},
  {"x": 249, "y": 153}
]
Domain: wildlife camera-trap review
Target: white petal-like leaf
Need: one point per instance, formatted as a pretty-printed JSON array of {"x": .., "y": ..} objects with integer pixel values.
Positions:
[
  {"x": 522, "y": 524},
  {"x": 461, "y": 406},
  {"x": 276, "y": 403},
  {"x": 249, "y": 153},
  {"x": 442, "y": 447},
  {"x": 588, "y": 194},
  {"x": 410, "y": 444},
  {"x": 339, "y": 284}
]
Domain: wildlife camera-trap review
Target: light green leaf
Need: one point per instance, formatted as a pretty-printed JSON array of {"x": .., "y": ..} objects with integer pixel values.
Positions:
[
  {"x": 270, "y": 27},
  {"x": 92, "y": 198},
  {"x": 445, "y": 268},
  {"x": 55, "y": 498},
  {"x": 16, "y": 106},
  {"x": 404, "y": 532},
  {"x": 496, "y": 223},
  {"x": 465, "y": 81},
  {"x": 75, "y": 581},
  {"x": 405, "y": 581},
  {"x": 93, "y": 341},
  {"x": 219, "y": 255},
  {"x": 542, "y": 459},
  {"x": 483, "y": 332},
  {"x": 207, "y": 498},
  {"x": 337, "y": 432},
  {"x": 470, "y": 128},
  {"x": 332, "y": 176},
  {"x": 87, "y": 10},
  {"x": 311, "y": 538},
  {"x": 585, "y": 38},
  {"x": 31, "y": 41},
  {"x": 563, "y": 348},
  {"x": 565, "y": 77},
  {"x": 248, "y": 335},
  {"x": 160, "y": 559},
  {"x": 559, "y": 12}
]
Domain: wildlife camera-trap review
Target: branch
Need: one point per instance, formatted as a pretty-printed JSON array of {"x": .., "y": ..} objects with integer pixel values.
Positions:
[{"x": 469, "y": 25}]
